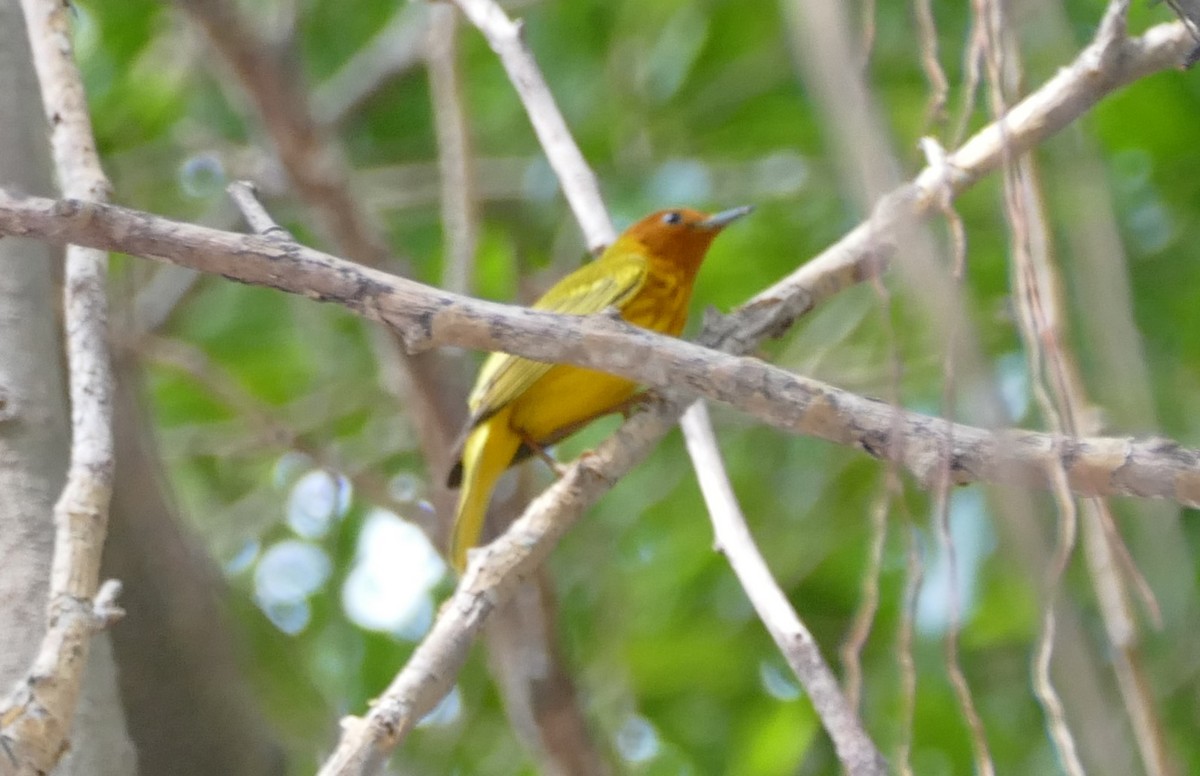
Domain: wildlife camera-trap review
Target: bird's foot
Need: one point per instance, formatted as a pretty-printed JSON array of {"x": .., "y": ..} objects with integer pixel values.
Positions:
[{"x": 556, "y": 467}]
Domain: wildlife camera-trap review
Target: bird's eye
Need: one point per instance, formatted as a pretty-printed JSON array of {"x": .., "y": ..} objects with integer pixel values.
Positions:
[{"x": 674, "y": 217}]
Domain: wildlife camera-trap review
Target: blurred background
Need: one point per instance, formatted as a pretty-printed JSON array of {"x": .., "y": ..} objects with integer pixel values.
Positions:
[{"x": 280, "y": 508}]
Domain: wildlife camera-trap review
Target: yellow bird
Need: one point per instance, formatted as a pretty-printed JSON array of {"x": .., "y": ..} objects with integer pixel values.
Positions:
[{"x": 519, "y": 406}]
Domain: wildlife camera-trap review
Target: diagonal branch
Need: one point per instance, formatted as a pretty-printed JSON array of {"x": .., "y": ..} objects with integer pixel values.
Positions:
[
  {"x": 426, "y": 317},
  {"x": 854, "y": 747},
  {"x": 578, "y": 182}
]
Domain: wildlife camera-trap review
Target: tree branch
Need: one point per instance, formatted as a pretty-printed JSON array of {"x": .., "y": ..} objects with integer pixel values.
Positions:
[
  {"x": 36, "y": 716},
  {"x": 427, "y": 317},
  {"x": 854, "y": 747},
  {"x": 578, "y": 182}
]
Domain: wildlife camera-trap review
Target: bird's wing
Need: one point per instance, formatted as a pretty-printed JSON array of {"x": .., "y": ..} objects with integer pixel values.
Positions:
[{"x": 610, "y": 281}]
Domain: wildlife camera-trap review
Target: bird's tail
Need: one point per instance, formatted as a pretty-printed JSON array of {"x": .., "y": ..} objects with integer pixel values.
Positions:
[{"x": 487, "y": 452}]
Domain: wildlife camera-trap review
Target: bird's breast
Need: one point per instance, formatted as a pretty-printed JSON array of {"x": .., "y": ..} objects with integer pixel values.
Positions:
[{"x": 661, "y": 304}]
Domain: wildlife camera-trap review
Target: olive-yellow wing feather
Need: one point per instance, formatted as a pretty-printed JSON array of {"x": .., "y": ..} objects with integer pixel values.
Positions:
[{"x": 610, "y": 281}]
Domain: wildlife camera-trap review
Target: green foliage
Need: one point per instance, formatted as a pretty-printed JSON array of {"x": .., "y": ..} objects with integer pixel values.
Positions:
[{"x": 695, "y": 103}]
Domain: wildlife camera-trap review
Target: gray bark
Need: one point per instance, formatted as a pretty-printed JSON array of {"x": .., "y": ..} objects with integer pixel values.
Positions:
[{"x": 34, "y": 434}]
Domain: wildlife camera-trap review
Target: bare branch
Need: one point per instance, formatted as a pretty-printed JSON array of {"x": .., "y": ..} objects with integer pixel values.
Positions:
[
  {"x": 424, "y": 317},
  {"x": 578, "y": 181},
  {"x": 854, "y": 747},
  {"x": 856, "y": 256},
  {"x": 36, "y": 716},
  {"x": 257, "y": 217}
]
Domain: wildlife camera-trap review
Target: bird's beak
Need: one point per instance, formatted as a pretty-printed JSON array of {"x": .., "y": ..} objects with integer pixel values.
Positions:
[{"x": 725, "y": 217}]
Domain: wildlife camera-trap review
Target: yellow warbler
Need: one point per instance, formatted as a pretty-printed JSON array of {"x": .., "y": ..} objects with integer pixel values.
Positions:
[{"x": 518, "y": 406}]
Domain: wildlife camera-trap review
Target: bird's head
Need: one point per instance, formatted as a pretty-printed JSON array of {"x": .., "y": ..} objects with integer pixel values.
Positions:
[{"x": 681, "y": 235}]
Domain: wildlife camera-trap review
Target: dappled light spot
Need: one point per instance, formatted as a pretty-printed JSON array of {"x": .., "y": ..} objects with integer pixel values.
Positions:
[
  {"x": 637, "y": 740},
  {"x": 1012, "y": 371},
  {"x": 244, "y": 558},
  {"x": 290, "y": 467},
  {"x": 778, "y": 681},
  {"x": 202, "y": 176},
  {"x": 291, "y": 617},
  {"x": 973, "y": 541},
  {"x": 315, "y": 501},
  {"x": 286, "y": 575},
  {"x": 447, "y": 712},
  {"x": 389, "y": 586},
  {"x": 290, "y": 571},
  {"x": 680, "y": 180},
  {"x": 404, "y": 487}
]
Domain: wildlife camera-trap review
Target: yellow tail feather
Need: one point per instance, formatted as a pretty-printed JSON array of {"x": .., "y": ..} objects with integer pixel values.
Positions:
[{"x": 488, "y": 451}]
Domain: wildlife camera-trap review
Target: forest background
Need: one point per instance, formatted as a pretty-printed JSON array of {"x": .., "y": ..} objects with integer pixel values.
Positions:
[{"x": 278, "y": 494}]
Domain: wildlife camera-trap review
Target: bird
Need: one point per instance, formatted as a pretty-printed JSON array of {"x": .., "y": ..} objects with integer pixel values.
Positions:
[{"x": 519, "y": 406}]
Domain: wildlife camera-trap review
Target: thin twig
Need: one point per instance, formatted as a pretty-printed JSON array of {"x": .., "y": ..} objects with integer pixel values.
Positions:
[
  {"x": 972, "y": 65},
  {"x": 1032, "y": 303},
  {"x": 935, "y": 111},
  {"x": 984, "y": 765},
  {"x": 36, "y": 716},
  {"x": 245, "y": 197},
  {"x": 1061, "y": 397},
  {"x": 1063, "y": 401},
  {"x": 1043, "y": 685},
  {"x": 854, "y": 747},
  {"x": 913, "y": 576},
  {"x": 868, "y": 606}
]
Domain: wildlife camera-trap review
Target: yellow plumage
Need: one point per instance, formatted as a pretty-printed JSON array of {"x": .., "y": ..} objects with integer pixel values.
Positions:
[{"x": 647, "y": 275}]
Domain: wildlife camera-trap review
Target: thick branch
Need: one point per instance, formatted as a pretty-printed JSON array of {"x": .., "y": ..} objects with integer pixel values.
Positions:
[{"x": 426, "y": 317}]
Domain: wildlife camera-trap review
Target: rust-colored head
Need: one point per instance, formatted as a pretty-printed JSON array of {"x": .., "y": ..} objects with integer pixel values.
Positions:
[{"x": 681, "y": 235}]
